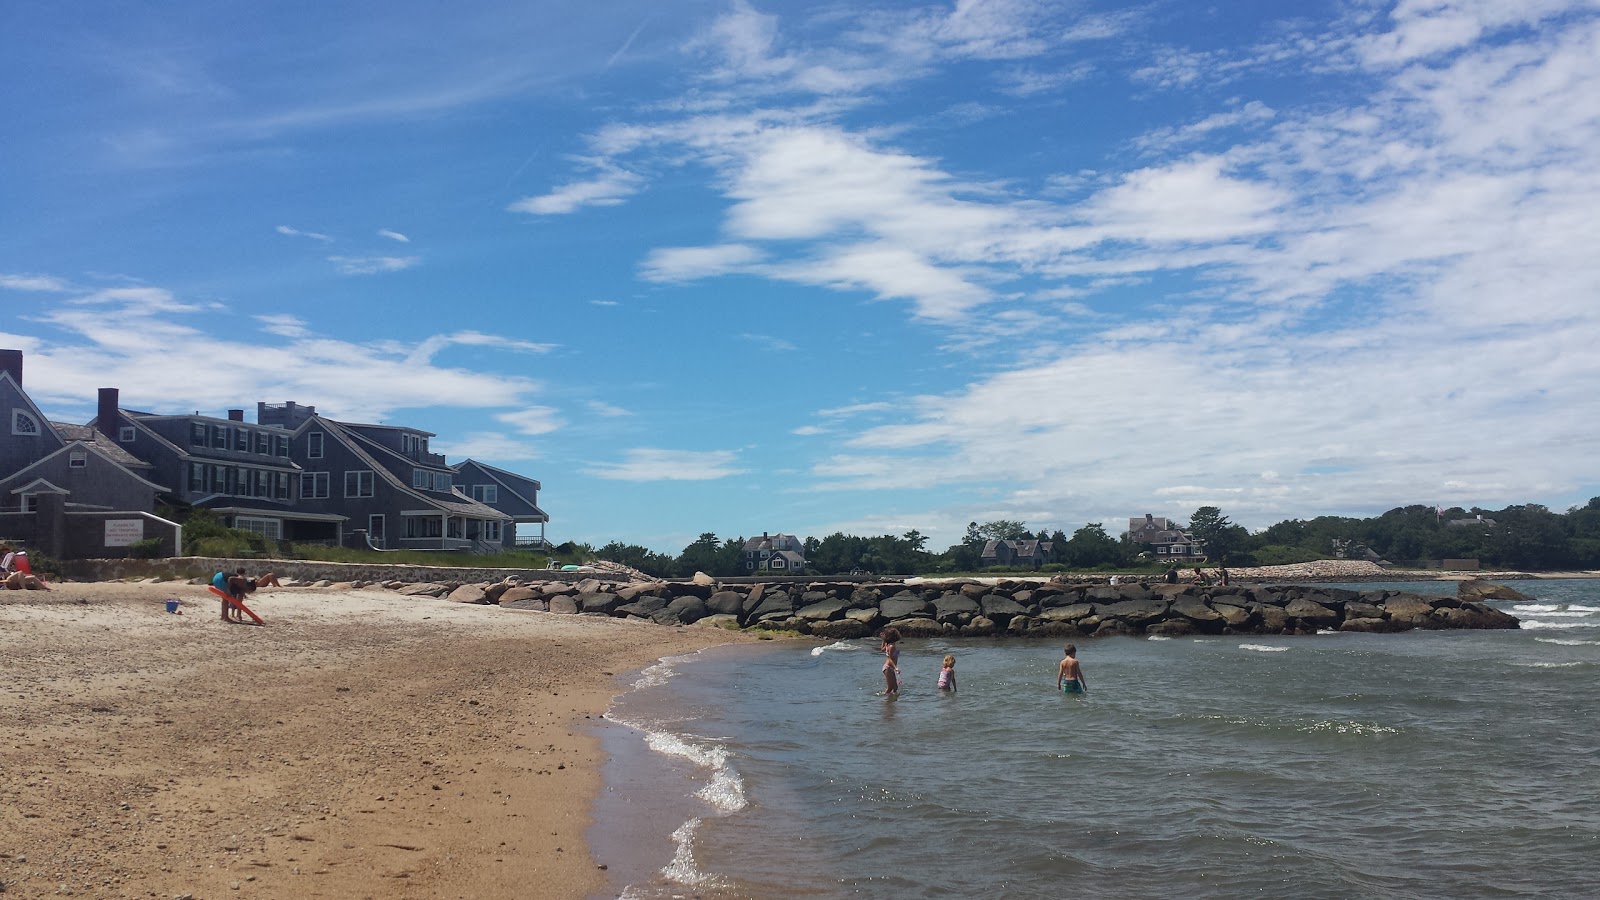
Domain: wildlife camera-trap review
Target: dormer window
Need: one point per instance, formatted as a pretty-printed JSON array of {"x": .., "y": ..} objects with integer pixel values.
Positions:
[
  {"x": 23, "y": 423},
  {"x": 78, "y": 459},
  {"x": 125, "y": 434}
]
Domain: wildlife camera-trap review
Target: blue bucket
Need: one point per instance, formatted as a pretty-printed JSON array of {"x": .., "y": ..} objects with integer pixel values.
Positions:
[{"x": 172, "y": 606}]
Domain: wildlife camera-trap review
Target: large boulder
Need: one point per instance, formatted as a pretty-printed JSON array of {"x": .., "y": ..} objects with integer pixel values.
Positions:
[
  {"x": 1407, "y": 609},
  {"x": 1001, "y": 608},
  {"x": 1369, "y": 624},
  {"x": 564, "y": 603},
  {"x": 1311, "y": 613},
  {"x": 1201, "y": 616},
  {"x": 821, "y": 610},
  {"x": 493, "y": 592},
  {"x": 1474, "y": 615},
  {"x": 1236, "y": 617},
  {"x": 1067, "y": 613},
  {"x": 598, "y": 602},
  {"x": 978, "y": 627},
  {"x": 687, "y": 610},
  {"x": 865, "y": 596},
  {"x": 841, "y": 629},
  {"x": 952, "y": 607},
  {"x": 1173, "y": 627},
  {"x": 903, "y": 607},
  {"x": 423, "y": 589},
  {"x": 1273, "y": 619},
  {"x": 774, "y": 605},
  {"x": 917, "y": 627},
  {"x": 1135, "y": 613},
  {"x": 529, "y": 601},
  {"x": 1113, "y": 628},
  {"x": 1360, "y": 609},
  {"x": 1478, "y": 589},
  {"x": 644, "y": 607},
  {"x": 726, "y": 602},
  {"x": 468, "y": 593},
  {"x": 867, "y": 616}
]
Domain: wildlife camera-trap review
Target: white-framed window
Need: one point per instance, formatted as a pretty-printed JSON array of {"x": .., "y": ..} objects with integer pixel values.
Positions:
[
  {"x": 197, "y": 434},
  {"x": 486, "y": 493},
  {"x": 423, "y": 527},
  {"x": 30, "y": 502},
  {"x": 314, "y": 445},
  {"x": 126, "y": 434},
  {"x": 271, "y": 529},
  {"x": 263, "y": 443},
  {"x": 1179, "y": 549},
  {"x": 197, "y": 477},
  {"x": 219, "y": 437},
  {"x": 23, "y": 423},
  {"x": 283, "y": 486},
  {"x": 421, "y": 478},
  {"x": 441, "y": 482},
  {"x": 358, "y": 483},
  {"x": 313, "y": 485},
  {"x": 491, "y": 531},
  {"x": 241, "y": 440},
  {"x": 78, "y": 459},
  {"x": 281, "y": 445}
]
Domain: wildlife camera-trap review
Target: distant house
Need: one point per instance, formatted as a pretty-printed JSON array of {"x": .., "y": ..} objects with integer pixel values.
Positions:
[
  {"x": 774, "y": 553},
  {"x": 69, "y": 490},
  {"x": 243, "y": 472},
  {"x": 385, "y": 480},
  {"x": 1477, "y": 521},
  {"x": 1164, "y": 540},
  {"x": 1029, "y": 553},
  {"x": 515, "y": 495}
]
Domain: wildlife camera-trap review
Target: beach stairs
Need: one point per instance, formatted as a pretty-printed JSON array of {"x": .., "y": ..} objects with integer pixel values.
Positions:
[{"x": 235, "y": 603}]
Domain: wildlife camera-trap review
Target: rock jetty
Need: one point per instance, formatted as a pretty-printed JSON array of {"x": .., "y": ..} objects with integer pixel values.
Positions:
[{"x": 975, "y": 609}]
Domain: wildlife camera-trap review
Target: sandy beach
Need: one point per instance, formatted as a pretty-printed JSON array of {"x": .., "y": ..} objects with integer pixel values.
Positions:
[{"x": 361, "y": 745}]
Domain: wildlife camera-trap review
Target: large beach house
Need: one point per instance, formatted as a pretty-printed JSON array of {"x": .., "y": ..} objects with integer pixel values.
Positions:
[
  {"x": 1164, "y": 539},
  {"x": 775, "y": 553}
]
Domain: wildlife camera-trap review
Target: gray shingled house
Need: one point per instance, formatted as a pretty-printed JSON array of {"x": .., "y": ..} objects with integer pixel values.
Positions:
[{"x": 515, "y": 495}]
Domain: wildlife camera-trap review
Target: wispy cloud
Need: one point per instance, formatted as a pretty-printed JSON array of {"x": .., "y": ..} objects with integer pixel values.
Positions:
[
  {"x": 426, "y": 349},
  {"x": 284, "y": 325},
  {"x": 768, "y": 342},
  {"x": 607, "y": 188},
  {"x": 393, "y": 235},
  {"x": 44, "y": 283},
  {"x": 856, "y": 409},
  {"x": 607, "y": 410},
  {"x": 603, "y": 303},
  {"x": 373, "y": 265},
  {"x": 653, "y": 464},
  {"x": 486, "y": 445},
  {"x": 533, "y": 420},
  {"x": 295, "y": 232}
]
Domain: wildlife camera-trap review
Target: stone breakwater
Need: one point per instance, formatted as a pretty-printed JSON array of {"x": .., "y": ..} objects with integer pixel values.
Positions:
[{"x": 973, "y": 609}]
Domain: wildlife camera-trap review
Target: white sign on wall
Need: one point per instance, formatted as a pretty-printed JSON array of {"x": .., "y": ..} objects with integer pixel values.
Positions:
[{"x": 122, "y": 532}]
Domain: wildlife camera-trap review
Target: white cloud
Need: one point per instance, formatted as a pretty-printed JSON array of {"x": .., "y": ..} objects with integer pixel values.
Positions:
[
  {"x": 807, "y": 430},
  {"x": 608, "y": 188},
  {"x": 533, "y": 420},
  {"x": 1425, "y": 28},
  {"x": 295, "y": 232},
  {"x": 768, "y": 342},
  {"x": 45, "y": 283},
  {"x": 284, "y": 325},
  {"x": 130, "y": 333},
  {"x": 373, "y": 265},
  {"x": 607, "y": 410},
  {"x": 393, "y": 235},
  {"x": 426, "y": 349},
  {"x": 856, "y": 409},
  {"x": 689, "y": 263},
  {"x": 652, "y": 464},
  {"x": 486, "y": 445},
  {"x": 603, "y": 303}
]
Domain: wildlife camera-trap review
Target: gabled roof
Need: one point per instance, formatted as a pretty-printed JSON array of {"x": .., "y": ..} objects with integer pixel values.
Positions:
[
  {"x": 40, "y": 486},
  {"x": 92, "y": 435},
  {"x": 91, "y": 448},
  {"x": 358, "y": 444},
  {"x": 38, "y": 415},
  {"x": 144, "y": 430},
  {"x": 504, "y": 478}
]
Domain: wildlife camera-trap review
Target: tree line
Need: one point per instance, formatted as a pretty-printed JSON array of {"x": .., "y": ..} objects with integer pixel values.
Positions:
[{"x": 1526, "y": 536}]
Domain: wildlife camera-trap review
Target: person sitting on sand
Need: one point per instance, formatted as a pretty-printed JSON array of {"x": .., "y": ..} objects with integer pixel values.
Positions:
[
  {"x": 268, "y": 580},
  {"x": 16, "y": 574},
  {"x": 1200, "y": 576},
  {"x": 1069, "y": 677},
  {"x": 947, "y": 675}
]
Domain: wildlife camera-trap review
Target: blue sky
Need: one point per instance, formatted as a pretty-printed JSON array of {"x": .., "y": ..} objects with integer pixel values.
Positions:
[{"x": 735, "y": 267}]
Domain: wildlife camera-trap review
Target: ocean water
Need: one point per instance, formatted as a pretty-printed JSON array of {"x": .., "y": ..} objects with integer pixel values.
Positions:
[{"x": 1425, "y": 764}]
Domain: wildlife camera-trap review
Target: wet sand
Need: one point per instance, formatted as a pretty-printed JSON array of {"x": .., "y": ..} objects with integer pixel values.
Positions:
[{"x": 360, "y": 745}]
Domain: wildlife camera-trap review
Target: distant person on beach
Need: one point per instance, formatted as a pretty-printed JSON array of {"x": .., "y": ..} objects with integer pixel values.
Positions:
[
  {"x": 947, "y": 675},
  {"x": 16, "y": 574},
  {"x": 268, "y": 580},
  {"x": 1172, "y": 575},
  {"x": 1222, "y": 575},
  {"x": 1200, "y": 576},
  {"x": 1116, "y": 580},
  {"x": 1069, "y": 677},
  {"x": 891, "y": 661}
]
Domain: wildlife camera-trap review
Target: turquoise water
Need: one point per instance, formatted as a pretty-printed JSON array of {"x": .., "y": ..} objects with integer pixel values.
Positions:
[{"x": 1425, "y": 764}]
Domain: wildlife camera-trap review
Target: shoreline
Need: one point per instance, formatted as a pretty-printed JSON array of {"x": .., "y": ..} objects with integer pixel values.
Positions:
[{"x": 361, "y": 744}]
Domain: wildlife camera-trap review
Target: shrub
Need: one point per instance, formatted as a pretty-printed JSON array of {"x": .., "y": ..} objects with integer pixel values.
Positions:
[{"x": 149, "y": 548}]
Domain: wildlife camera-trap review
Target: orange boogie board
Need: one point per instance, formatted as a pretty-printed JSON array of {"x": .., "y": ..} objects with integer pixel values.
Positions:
[{"x": 237, "y": 604}]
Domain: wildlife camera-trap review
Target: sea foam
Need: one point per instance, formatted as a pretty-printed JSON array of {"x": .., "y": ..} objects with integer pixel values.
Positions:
[
  {"x": 836, "y": 645},
  {"x": 1536, "y": 626},
  {"x": 1263, "y": 648},
  {"x": 1567, "y": 642}
]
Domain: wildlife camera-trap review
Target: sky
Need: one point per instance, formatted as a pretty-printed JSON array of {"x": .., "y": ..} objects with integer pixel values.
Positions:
[{"x": 865, "y": 267}]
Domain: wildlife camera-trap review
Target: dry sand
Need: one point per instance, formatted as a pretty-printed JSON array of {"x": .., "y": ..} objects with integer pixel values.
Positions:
[{"x": 360, "y": 745}]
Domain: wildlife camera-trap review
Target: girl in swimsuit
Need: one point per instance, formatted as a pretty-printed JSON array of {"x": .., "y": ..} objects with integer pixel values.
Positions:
[
  {"x": 891, "y": 661},
  {"x": 947, "y": 675}
]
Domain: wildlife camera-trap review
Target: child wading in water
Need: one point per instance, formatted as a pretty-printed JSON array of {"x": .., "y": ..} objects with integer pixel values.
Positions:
[
  {"x": 891, "y": 661},
  {"x": 947, "y": 675},
  {"x": 1069, "y": 678}
]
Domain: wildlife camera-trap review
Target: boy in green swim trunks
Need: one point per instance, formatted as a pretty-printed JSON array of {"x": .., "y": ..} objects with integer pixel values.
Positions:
[{"x": 1069, "y": 678}]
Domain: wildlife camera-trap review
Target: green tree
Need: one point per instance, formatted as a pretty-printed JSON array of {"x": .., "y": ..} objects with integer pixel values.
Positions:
[
  {"x": 1001, "y": 530},
  {"x": 1090, "y": 546},
  {"x": 700, "y": 556},
  {"x": 1220, "y": 536}
]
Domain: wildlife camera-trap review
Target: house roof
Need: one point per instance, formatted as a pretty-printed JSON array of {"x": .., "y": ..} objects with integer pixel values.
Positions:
[
  {"x": 92, "y": 435},
  {"x": 503, "y": 477},
  {"x": 91, "y": 448},
  {"x": 358, "y": 444}
]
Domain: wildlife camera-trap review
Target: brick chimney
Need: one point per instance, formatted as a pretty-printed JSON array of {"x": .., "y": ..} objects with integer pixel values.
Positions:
[
  {"x": 109, "y": 420},
  {"x": 235, "y": 415},
  {"x": 11, "y": 361}
]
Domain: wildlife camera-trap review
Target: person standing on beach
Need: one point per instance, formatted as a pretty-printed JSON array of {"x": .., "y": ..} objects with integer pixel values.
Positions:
[
  {"x": 891, "y": 661},
  {"x": 1172, "y": 575},
  {"x": 1069, "y": 677},
  {"x": 1222, "y": 573}
]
